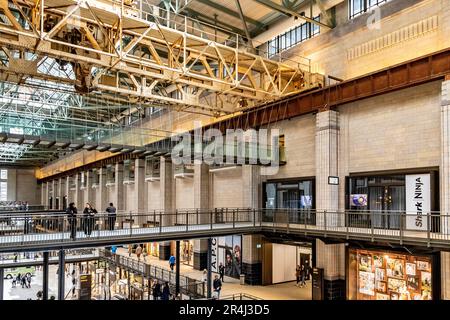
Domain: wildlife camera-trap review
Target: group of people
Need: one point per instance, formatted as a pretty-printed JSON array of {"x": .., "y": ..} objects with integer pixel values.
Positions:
[
  {"x": 24, "y": 280},
  {"x": 88, "y": 219},
  {"x": 159, "y": 293},
  {"x": 302, "y": 273}
]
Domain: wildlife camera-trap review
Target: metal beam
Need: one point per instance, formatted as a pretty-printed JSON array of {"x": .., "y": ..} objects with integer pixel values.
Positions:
[
  {"x": 290, "y": 12},
  {"x": 231, "y": 12},
  {"x": 244, "y": 24}
]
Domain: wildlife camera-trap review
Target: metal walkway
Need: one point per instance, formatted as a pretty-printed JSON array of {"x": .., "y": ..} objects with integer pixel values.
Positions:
[{"x": 22, "y": 232}]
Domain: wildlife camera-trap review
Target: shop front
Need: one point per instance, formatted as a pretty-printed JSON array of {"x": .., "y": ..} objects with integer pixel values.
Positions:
[
  {"x": 296, "y": 196},
  {"x": 387, "y": 275},
  {"x": 152, "y": 249},
  {"x": 187, "y": 252},
  {"x": 228, "y": 252},
  {"x": 380, "y": 200}
]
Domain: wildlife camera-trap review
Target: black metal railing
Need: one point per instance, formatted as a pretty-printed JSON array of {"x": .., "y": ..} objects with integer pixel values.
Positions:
[
  {"x": 19, "y": 230},
  {"x": 188, "y": 286}
]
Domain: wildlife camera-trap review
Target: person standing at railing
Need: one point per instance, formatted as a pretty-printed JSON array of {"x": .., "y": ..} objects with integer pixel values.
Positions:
[
  {"x": 72, "y": 217},
  {"x": 88, "y": 217},
  {"x": 111, "y": 210}
]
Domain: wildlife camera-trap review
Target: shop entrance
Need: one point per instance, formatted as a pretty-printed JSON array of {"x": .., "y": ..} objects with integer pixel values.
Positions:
[
  {"x": 187, "y": 252},
  {"x": 64, "y": 202},
  {"x": 386, "y": 212}
]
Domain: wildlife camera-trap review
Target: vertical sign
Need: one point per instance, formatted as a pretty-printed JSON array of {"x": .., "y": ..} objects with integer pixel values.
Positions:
[
  {"x": 214, "y": 252},
  {"x": 85, "y": 286},
  {"x": 417, "y": 201}
]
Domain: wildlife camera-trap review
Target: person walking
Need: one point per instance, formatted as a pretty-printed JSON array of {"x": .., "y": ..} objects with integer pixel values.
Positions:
[
  {"x": 130, "y": 250},
  {"x": 111, "y": 210},
  {"x": 205, "y": 275},
  {"x": 14, "y": 281},
  {"x": 166, "y": 292},
  {"x": 303, "y": 276},
  {"x": 171, "y": 262},
  {"x": 139, "y": 252},
  {"x": 217, "y": 285},
  {"x": 71, "y": 212},
  {"x": 29, "y": 281},
  {"x": 297, "y": 275},
  {"x": 221, "y": 271},
  {"x": 88, "y": 215},
  {"x": 23, "y": 281}
]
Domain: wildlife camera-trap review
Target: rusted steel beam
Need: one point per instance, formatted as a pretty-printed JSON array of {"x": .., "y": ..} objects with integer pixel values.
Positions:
[{"x": 427, "y": 68}]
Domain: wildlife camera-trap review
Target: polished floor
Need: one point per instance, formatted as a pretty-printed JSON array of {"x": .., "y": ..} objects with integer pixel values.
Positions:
[{"x": 282, "y": 291}]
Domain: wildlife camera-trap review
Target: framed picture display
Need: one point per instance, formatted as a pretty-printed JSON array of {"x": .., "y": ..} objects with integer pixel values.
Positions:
[
  {"x": 365, "y": 262},
  {"x": 380, "y": 274},
  {"x": 380, "y": 286},
  {"x": 426, "y": 280},
  {"x": 394, "y": 296},
  {"x": 378, "y": 261},
  {"x": 395, "y": 268},
  {"x": 413, "y": 283},
  {"x": 382, "y": 296},
  {"x": 423, "y": 265},
  {"x": 367, "y": 283},
  {"x": 410, "y": 269},
  {"x": 396, "y": 284}
]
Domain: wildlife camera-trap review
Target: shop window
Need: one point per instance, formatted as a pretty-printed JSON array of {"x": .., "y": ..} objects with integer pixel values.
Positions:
[
  {"x": 4, "y": 174},
  {"x": 381, "y": 275}
]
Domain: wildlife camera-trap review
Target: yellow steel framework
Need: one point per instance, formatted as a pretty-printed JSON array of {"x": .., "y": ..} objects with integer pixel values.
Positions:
[{"x": 140, "y": 55}]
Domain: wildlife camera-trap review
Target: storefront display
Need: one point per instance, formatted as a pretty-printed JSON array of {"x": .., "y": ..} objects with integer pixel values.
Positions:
[
  {"x": 377, "y": 275},
  {"x": 227, "y": 251},
  {"x": 187, "y": 252}
]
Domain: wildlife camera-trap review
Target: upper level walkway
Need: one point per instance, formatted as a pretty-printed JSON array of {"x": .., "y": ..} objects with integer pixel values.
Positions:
[{"x": 46, "y": 231}]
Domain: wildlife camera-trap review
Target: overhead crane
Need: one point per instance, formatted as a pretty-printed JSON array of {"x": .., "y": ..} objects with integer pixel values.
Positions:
[{"x": 136, "y": 53}]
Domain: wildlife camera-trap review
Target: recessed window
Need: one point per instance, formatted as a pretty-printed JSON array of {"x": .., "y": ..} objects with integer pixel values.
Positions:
[
  {"x": 358, "y": 7},
  {"x": 292, "y": 37}
]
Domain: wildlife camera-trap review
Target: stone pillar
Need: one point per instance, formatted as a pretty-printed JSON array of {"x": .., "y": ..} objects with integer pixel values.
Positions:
[
  {"x": 89, "y": 194},
  {"x": 101, "y": 191},
  {"x": 119, "y": 200},
  {"x": 201, "y": 202},
  {"x": 47, "y": 195},
  {"x": 53, "y": 194},
  {"x": 251, "y": 255},
  {"x": 43, "y": 193},
  {"x": 329, "y": 257},
  {"x": 167, "y": 198},
  {"x": 445, "y": 157},
  {"x": 327, "y": 144},
  {"x": 61, "y": 191},
  {"x": 78, "y": 198},
  {"x": 140, "y": 189},
  {"x": 67, "y": 191}
]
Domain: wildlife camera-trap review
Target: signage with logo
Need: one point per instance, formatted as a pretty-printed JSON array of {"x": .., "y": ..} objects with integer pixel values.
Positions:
[
  {"x": 418, "y": 203},
  {"x": 214, "y": 251},
  {"x": 85, "y": 286}
]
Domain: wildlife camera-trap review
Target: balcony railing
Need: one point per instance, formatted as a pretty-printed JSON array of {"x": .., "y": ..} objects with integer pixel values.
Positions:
[{"x": 32, "y": 230}]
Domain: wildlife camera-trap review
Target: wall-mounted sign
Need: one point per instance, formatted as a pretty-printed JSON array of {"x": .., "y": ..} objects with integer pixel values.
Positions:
[
  {"x": 333, "y": 180},
  {"x": 418, "y": 203},
  {"x": 358, "y": 200},
  {"x": 214, "y": 251}
]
